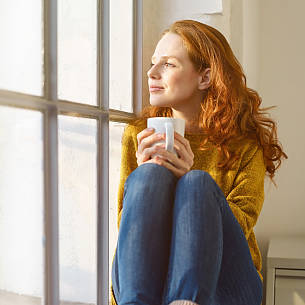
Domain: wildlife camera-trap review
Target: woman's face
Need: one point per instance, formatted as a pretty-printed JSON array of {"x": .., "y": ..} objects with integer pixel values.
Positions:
[{"x": 174, "y": 72}]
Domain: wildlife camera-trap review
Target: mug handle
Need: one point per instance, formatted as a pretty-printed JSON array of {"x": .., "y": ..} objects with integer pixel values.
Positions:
[{"x": 169, "y": 141}]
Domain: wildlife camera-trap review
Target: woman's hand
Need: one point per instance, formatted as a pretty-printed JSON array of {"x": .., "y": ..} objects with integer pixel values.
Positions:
[
  {"x": 146, "y": 138},
  {"x": 178, "y": 165}
]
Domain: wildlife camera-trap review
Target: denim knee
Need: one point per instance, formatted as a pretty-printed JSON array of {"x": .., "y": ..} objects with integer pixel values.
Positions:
[
  {"x": 200, "y": 180},
  {"x": 149, "y": 172},
  {"x": 196, "y": 176},
  {"x": 151, "y": 178}
]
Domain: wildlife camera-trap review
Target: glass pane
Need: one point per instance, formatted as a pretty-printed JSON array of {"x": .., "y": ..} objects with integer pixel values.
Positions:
[
  {"x": 115, "y": 136},
  {"x": 21, "y": 56},
  {"x": 21, "y": 206},
  {"x": 77, "y": 209},
  {"x": 77, "y": 32},
  {"x": 121, "y": 55}
]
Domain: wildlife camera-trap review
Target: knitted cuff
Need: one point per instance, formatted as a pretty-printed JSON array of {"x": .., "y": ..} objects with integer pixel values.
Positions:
[{"x": 183, "y": 302}]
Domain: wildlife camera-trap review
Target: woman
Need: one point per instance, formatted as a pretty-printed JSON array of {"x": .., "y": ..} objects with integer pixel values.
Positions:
[{"x": 186, "y": 223}]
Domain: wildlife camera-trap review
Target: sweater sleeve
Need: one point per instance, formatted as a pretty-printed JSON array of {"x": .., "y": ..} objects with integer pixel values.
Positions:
[
  {"x": 247, "y": 195},
  {"x": 128, "y": 163}
]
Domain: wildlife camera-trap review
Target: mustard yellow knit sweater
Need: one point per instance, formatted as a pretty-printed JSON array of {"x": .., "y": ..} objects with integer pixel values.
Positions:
[{"x": 242, "y": 185}]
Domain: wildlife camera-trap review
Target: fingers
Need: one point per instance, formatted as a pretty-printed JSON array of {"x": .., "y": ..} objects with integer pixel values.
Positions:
[
  {"x": 180, "y": 164},
  {"x": 185, "y": 143},
  {"x": 147, "y": 153},
  {"x": 157, "y": 160},
  {"x": 146, "y": 140},
  {"x": 182, "y": 151},
  {"x": 144, "y": 133}
]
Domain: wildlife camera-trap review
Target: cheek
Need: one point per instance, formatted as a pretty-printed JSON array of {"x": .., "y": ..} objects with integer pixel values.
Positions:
[
  {"x": 181, "y": 83},
  {"x": 174, "y": 79}
]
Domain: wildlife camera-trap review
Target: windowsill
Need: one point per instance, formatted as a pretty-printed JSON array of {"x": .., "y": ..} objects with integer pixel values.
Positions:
[{"x": 9, "y": 298}]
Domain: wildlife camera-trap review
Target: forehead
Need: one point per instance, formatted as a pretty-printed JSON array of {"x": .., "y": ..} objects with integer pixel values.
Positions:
[{"x": 170, "y": 45}]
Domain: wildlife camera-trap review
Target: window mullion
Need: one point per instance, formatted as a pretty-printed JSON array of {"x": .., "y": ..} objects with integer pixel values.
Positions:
[
  {"x": 103, "y": 153},
  {"x": 137, "y": 55},
  {"x": 51, "y": 221},
  {"x": 50, "y": 49},
  {"x": 51, "y": 230}
]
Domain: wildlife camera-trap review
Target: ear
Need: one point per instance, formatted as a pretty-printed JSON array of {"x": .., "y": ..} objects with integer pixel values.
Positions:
[{"x": 204, "y": 79}]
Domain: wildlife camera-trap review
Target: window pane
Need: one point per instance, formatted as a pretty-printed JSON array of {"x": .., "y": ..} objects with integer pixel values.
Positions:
[
  {"x": 21, "y": 56},
  {"x": 77, "y": 209},
  {"x": 121, "y": 55},
  {"x": 21, "y": 206},
  {"x": 115, "y": 136},
  {"x": 77, "y": 32}
]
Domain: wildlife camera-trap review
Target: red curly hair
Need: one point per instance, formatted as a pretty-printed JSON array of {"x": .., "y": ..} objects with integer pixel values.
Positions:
[{"x": 229, "y": 109}]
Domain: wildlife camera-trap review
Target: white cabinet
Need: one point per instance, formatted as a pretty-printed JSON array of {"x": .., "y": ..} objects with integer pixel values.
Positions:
[{"x": 286, "y": 271}]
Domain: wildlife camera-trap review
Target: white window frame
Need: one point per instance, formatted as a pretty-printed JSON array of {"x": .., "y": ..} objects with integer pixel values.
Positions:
[{"x": 51, "y": 107}]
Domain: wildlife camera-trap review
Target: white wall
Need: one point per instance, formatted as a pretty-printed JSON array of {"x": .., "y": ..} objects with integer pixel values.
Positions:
[
  {"x": 281, "y": 80},
  {"x": 267, "y": 38},
  {"x": 273, "y": 58}
]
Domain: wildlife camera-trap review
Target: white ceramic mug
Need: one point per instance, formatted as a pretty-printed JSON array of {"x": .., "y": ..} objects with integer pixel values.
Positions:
[{"x": 168, "y": 126}]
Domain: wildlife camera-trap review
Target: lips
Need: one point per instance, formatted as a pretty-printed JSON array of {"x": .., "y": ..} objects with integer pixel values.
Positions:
[{"x": 154, "y": 88}]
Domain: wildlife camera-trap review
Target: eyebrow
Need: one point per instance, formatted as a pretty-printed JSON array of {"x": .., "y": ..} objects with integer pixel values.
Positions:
[{"x": 164, "y": 56}]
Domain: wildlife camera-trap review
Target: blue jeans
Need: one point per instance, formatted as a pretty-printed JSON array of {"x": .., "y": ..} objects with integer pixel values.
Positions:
[{"x": 179, "y": 240}]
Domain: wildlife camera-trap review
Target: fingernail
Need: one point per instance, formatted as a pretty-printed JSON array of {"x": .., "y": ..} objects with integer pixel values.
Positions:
[{"x": 150, "y": 129}]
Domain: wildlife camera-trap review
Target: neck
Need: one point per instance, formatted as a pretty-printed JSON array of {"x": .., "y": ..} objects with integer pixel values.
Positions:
[
  {"x": 190, "y": 111},
  {"x": 191, "y": 120}
]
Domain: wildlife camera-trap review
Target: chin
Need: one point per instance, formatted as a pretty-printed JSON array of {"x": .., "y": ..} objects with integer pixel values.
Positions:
[{"x": 159, "y": 102}]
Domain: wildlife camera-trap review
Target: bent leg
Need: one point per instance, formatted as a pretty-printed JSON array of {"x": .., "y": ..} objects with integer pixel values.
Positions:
[
  {"x": 210, "y": 261},
  {"x": 239, "y": 282},
  {"x": 141, "y": 259},
  {"x": 196, "y": 248}
]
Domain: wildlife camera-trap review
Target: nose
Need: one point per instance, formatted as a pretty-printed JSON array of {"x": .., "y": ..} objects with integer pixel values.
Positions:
[{"x": 153, "y": 72}]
